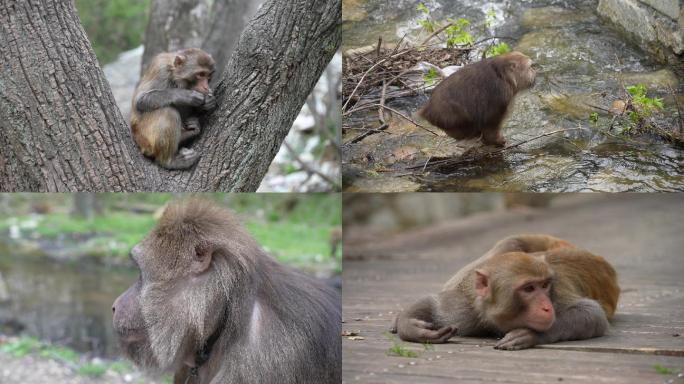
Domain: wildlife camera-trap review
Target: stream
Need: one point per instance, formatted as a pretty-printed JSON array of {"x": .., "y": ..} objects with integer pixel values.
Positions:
[
  {"x": 583, "y": 65},
  {"x": 66, "y": 303}
]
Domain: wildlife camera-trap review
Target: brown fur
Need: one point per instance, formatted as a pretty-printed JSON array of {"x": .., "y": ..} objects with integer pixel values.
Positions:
[
  {"x": 474, "y": 101},
  {"x": 158, "y": 132},
  {"x": 206, "y": 282},
  {"x": 583, "y": 289}
]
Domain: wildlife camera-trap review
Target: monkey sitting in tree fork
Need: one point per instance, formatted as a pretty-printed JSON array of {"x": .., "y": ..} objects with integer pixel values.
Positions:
[
  {"x": 530, "y": 289},
  {"x": 167, "y": 104},
  {"x": 474, "y": 101}
]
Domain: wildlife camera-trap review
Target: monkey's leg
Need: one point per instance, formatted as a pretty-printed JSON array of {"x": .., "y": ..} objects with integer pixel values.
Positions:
[
  {"x": 184, "y": 159},
  {"x": 582, "y": 320},
  {"x": 416, "y": 324},
  {"x": 191, "y": 128},
  {"x": 493, "y": 136}
]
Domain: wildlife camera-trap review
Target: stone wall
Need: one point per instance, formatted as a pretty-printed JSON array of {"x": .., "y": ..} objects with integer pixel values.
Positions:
[{"x": 656, "y": 25}]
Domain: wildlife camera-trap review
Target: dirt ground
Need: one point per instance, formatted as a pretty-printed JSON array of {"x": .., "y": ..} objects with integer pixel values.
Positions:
[{"x": 642, "y": 235}]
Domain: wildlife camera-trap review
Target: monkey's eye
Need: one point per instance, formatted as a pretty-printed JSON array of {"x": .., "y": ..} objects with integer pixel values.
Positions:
[
  {"x": 546, "y": 284},
  {"x": 528, "y": 288}
]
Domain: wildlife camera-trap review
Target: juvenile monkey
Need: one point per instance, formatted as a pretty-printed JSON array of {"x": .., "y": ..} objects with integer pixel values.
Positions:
[
  {"x": 172, "y": 94},
  {"x": 474, "y": 101},
  {"x": 530, "y": 289}
]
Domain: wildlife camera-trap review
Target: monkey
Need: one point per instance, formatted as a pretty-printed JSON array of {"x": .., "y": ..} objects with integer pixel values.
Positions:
[
  {"x": 172, "y": 94},
  {"x": 473, "y": 101},
  {"x": 212, "y": 307},
  {"x": 528, "y": 289}
]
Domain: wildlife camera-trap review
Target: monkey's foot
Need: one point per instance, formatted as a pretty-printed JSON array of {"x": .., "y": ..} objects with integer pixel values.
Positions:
[
  {"x": 184, "y": 159},
  {"x": 517, "y": 339}
]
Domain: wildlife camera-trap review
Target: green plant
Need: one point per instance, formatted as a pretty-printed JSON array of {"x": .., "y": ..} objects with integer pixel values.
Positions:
[
  {"x": 59, "y": 353},
  {"x": 425, "y": 23},
  {"x": 397, "y": 349},
  {"x": 490, "y": 16},
  {"x": 21, "y": 347},
  {"x": 498, "y": 49},
  {"x": 455, "y": 33},
  {"x": 430, "y": 77},
  {"x": 593, "y": 118},
  {"x": 92, "y": 369},
  {"x": 664, "y": 370},
  {"x": 645, "y": 105}
]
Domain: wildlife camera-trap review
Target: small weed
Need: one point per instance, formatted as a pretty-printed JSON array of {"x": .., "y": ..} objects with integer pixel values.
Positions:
[
  {"x": 498, "y": 49},
  {"x": 664, "y": 370},
  {"x": 430, "y": 77},
  {"x": 59, "y": 353},
  {"x": 21, "y": 347},
  {"x": 92, "y": 369},
  {"x": 397, "y": 349},
  {"x": 593, "y": 118}
]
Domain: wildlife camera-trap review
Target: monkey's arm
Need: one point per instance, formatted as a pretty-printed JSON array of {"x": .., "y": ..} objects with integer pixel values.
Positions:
[
  {"x": 173, "y": 97},
  {"x": 417, "y": 324},
  {"x": 582, "y": 320}
]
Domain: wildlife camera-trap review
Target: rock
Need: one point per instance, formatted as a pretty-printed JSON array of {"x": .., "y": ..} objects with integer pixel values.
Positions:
[
  {"x": 577, "y": 106},
  {"x": 661, "y": 80},
  {"x": 652, "y": 28},
  {"x": 123, "y": 75},
  {"x": 551, "y": 17}
]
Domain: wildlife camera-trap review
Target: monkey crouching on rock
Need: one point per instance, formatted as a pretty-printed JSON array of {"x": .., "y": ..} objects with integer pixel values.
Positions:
[
  {"x": 474, "y": 101},
  {"x": 528, "y": 289},
  {"x": 173, "y": 93}
]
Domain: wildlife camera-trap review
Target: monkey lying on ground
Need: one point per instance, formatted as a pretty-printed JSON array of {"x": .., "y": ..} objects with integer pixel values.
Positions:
[
  {"x": 172, "y": 94},
  {"x": 474, "y": 101},
  {"x": 530, "y": 289},
  {"x": 211, "y": 306}
]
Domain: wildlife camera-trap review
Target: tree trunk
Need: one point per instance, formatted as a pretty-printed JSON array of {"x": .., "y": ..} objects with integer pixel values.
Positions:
[
  {"x": 178, "y": 24},
  {"x": 61, "y": 130},
  {"x": 174, "y": 25}
]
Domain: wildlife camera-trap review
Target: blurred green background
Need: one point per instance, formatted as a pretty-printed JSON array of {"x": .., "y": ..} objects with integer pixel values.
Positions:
[
  {"x": 113, "y": 26},
  {"x": 295, "y": 228}
]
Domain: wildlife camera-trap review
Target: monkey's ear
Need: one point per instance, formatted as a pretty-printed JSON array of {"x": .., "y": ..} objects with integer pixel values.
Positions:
[
  {"x": 481, "y": 282},
  {"x": 201, "y": 259},
  {"x": 179, "y": 60}
]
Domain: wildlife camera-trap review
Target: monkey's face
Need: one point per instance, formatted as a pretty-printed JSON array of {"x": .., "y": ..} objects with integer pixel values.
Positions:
[
  {"x": 518, "y": 69},
  {"x": 193, "y": 69}
]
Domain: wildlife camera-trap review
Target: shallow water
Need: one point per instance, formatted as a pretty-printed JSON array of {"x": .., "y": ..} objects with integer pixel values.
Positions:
[
  {"x": 66, "y": 303},
  {"x": 583, "y": 64}
]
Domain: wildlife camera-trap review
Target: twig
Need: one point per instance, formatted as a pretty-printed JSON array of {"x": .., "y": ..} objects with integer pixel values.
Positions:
[
  {"x": 437, "y": 32},
  {"x": 366, "y": 134},
  {"x": 310, "y": 169},
  {"x": 381, "y": 110},
  {"x": 367, "y": 72}
]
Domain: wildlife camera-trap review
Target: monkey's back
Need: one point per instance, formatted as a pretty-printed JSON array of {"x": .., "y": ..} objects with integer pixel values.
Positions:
[
  {"x": 472, "y": 98},
  {"x": 583, "y": 274}
]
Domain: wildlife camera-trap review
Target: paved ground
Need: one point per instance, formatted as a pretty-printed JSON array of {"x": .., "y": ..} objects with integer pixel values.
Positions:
[{"x": 642, "y": 235}]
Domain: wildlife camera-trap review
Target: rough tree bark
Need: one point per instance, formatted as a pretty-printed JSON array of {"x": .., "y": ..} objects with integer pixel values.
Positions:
[
  {"x": 60, "y": 129},
  {"x": 178, "y": 24}
]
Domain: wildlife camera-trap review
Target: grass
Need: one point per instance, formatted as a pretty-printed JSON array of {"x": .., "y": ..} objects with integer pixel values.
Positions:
[
  {"x": 292, "y": 228},
  {"x": 398, "y": 349},
  {"x": 664, "y": 370},
  {"x": 30, "y": 345}
]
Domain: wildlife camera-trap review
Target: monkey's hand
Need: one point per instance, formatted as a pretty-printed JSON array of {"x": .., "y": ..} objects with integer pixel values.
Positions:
[
  {"x": 209, "y": 102},
  {"x": 516, "y": 339},
  {"x": 420, "y": 331}
]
